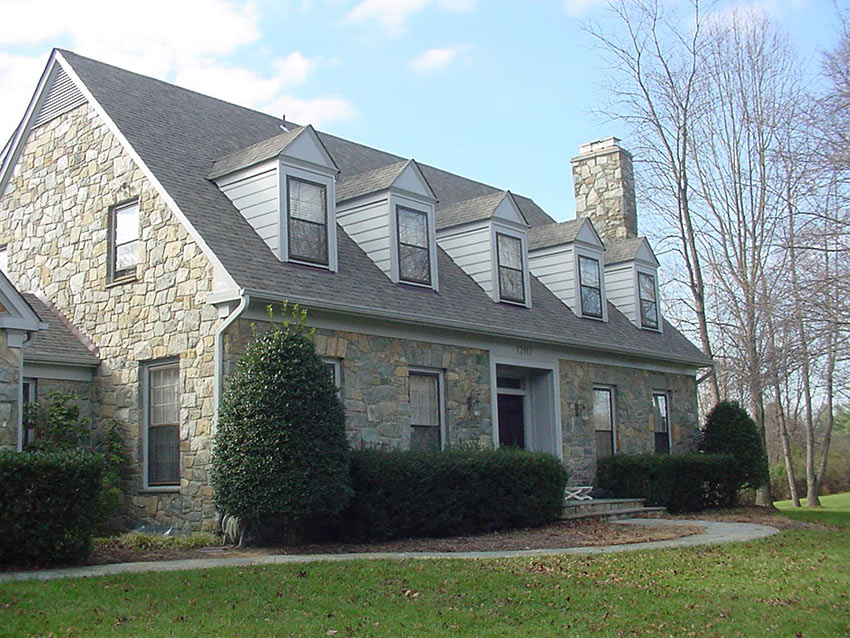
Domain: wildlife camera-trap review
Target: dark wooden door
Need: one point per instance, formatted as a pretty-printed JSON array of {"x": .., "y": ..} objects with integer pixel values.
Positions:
[{"x": 511, "y": 421}]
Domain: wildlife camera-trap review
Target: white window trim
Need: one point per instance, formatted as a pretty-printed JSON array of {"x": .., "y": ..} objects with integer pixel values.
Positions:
[
  {"x": 577, "y": 254},
  {"x": 654, "y": 274},
  {"x": 144, "y": 388},
  {"x": 501, "y": 229},
  {"x": 337, "y": 371},
  {"x": 4, "y": 259},
  {"x": 441, "y": 391},
  {"x": 285, "y": 171},
  {"x": 394, "y": 201},
  {"x": 112, "y": 247},
  {"x": 666, "y": 395},
  {"x": 612, "y": 390}
]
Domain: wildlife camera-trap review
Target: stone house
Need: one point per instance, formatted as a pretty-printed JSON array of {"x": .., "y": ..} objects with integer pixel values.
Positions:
[{"x": 155, "y": 225}]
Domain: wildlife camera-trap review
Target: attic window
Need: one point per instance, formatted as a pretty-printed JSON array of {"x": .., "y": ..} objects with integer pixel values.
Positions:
[
  {"x": 307, "y": 221},
  {"x": 123, "y": 240},
  {"x": 648, "y": 301},
  {"x": 509, "y": 262},
  {"x": 591, "y": 287},
  {"x": 414, "y": 255}
]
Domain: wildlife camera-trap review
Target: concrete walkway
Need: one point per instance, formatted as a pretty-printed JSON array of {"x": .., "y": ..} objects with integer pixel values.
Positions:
[{"x": 714, "y": 533}]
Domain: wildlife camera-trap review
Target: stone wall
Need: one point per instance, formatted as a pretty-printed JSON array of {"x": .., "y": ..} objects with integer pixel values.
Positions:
[
  {"x": 604, "y": 183},
  {"x": 375, "y": 384},
  {"x": 9, "y": 368},
  {"x": 54, "y": 216},
  {"x": 634, "y": 415}
]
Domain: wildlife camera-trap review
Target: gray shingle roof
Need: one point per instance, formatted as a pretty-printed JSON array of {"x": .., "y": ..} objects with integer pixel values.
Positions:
[
  {"x": 59, "y": 343},
  {"x": 179, "y": 134},
  {"x": 618, "y": 251},
  {"x": 367, "y": 182},
  {"x": 254, "y": 154},
  {"x": 468, "y": 210},
  {"x": 554, "y": 234}
]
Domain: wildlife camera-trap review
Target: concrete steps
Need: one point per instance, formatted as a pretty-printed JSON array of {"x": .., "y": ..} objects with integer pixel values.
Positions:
[{"x": 606, "y": 508}]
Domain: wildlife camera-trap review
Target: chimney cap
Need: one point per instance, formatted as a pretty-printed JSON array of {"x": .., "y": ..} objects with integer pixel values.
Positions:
[{"x": 599, "y": 145}]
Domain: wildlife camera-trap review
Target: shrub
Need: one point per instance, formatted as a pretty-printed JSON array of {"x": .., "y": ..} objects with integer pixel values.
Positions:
[
  {"x": 48, "y": 505},
  {"x": 405, "y": 494},
  {"x": 145, "y": 542},
  {"x": 679, "y": 482},
  {"x": 730, "y": 430},
  {"x": 280, "y": 460}
]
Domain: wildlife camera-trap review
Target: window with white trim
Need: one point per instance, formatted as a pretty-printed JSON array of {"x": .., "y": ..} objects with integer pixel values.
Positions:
[
  {"x": 123, "y": 240},
  {"x": 425, "y": 411},
  {"x": 307, "y": 220},
  {"x": 590, "y": 287},
  {"x": 335, "y": 369},
  {"x": 162, "y": 423},
  {"x": 4, "y": 259},
  {"x": 648, "y": 301},
  {"x": 603, "y": 421},
  {"x": 414, "y": 251},
  {"x": 661, "y": 405},
  {"x": 509, "y": 263}
]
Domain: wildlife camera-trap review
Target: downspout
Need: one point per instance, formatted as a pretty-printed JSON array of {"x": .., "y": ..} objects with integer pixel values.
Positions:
[{"x": 244, "y": 300}]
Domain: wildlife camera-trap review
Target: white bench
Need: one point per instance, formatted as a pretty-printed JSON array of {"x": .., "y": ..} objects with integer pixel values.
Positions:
[{"x": 578, "y": 493}]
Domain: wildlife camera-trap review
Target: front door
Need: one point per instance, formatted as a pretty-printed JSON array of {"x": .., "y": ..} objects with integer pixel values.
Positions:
[{"x": 511, "y": 421}]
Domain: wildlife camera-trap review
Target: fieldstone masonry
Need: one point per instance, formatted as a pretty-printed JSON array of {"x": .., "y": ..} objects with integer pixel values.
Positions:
[
  {"x": 634, "y": 414},
  {"x": 54, "y": 217},
  {"x": 605, "y": 188}
]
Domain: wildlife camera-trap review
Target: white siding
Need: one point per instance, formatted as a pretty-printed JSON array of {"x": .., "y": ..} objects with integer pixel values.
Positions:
[
  {"x": 555, "y": 268},
  {"x": 368, "y": 224},
  {"x": 620, "y": 288},
  {"x": 254, "y": 193},
  {"x": 471, "y": 250}
]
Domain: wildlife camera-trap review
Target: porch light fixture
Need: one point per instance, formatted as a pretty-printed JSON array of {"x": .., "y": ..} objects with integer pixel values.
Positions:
[{"x": 473, "y": 403}]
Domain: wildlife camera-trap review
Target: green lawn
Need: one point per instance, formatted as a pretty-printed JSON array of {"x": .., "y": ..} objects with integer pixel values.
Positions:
[
  {"x": 834, "y": 510},
  {"x": 793, "y": 584}
]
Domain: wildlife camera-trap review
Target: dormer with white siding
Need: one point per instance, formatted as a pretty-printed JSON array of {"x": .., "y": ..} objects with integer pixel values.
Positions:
[
  {"x": 487, "y": 237},
  {"x": 285, "y": 188},
  {"x": 567, "y": 258},
  {"x": 631, "y": 279},
  {"x": 389, "y": 213}
]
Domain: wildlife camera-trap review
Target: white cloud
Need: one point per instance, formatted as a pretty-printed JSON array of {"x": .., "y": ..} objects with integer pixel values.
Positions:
[
  {"x": 578, "y": 7},
  {"x": 191, "y": 42},
  {"x": 393, "y": 15},
  {"x": 432, "y": 60}
]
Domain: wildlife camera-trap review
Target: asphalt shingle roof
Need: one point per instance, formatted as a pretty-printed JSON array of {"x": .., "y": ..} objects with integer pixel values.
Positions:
[
  {"x": 377, "y": 179},
  {"x": 254, "y": 154},
  {"x": 620, "y": 250},
  {"x": 59, "y": 343},
  {"x": 554, "y": 234},
  {"x": 468, "y": 210},
  {"x": 179, "y": 134}
]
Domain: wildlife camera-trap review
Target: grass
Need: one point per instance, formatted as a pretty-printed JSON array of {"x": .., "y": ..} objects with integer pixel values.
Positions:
[
  {"x": 792, "y": 584},
  {"x": 834, "y": 510}
]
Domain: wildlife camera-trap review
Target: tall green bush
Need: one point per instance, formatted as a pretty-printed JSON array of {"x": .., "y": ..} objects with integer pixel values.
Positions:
[
  {"x": 48, "y": 505},
  {"x": 279, "y": 459},
  {"x": 730, "y": 430}
]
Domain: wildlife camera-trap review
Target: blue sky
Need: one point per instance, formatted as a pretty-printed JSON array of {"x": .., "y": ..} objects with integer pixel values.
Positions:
[{"x": 502, "y": 92}]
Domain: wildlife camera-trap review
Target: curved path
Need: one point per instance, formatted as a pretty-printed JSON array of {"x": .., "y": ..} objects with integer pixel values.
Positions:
[{"x": 714, "y": 533}]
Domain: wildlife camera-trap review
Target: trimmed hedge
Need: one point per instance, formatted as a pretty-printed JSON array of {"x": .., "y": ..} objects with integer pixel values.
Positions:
[
  {"x": 417, "y": 494},
  {"x": 49, "y": 506},
  {"x": 679, "y": 482}
]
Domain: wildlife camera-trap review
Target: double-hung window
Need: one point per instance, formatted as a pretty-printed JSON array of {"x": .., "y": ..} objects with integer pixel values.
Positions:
[
  {"x": 509, "y": 262},
  {"x": 648, "y": 301},
  {"x": 307, "y": 219},
  {"x": 425, "y": 411},
  {"x": 662, "y": 422},
  {"x": 603, "y": 421},
  {"x": 414, "y": 255},
  {"x": 163, "y": 423},
  {"x": 590, "y": 285},
  {"x": 123, "y": 240}
]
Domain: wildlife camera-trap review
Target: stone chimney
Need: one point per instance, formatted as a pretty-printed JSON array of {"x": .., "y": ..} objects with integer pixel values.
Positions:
[{"x": 605, "y": 188}]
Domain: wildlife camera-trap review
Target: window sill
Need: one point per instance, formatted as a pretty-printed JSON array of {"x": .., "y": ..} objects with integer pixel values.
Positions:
[
  {"x": 591, "y": 317},
  {"x": 159, "y": 489},
  {"x": 511, "y": 302},
  {"x": 312, "y": 264},
  {"x": 126, "y": 279},
  {"x": 416, "y": 284}
]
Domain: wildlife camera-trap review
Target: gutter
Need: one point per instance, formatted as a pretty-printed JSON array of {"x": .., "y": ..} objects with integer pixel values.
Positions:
[
  {"x": 473, "y": 328},
  {"x": 244, "y": 300}
]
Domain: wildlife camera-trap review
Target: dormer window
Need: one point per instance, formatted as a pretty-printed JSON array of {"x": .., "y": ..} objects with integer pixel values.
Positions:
[
  {"x": 307, "y": 220},
  {"x": 648, "y": 301},
  {"x": 414, "y": 254},
  {"x": 510, "y": 268},
  {"x": 590, "y": 285}
]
